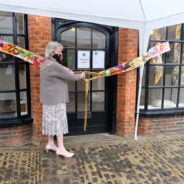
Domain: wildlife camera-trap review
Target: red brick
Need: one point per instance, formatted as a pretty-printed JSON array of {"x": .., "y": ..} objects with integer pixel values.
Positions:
[
  {"x": 16, "y": 135},
  {"x": 126, "y": 90},
  {"x": 39, "y": 31}
]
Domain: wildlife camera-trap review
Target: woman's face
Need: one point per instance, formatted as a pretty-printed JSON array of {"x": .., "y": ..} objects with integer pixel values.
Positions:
[{"x": 59, "y": 52}]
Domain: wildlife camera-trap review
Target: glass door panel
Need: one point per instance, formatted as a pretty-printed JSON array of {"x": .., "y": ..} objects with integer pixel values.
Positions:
[
  {"x": 69, "y": 58},
  {"x": 89, "y": 39},
  {"x": 83, "y": 37},
  {"x": 68, "y": 38}
]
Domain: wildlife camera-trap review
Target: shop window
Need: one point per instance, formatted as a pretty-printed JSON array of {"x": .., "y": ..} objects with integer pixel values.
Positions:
[
  {"x": 163, "y": 82},
  {"x": 14, "y": 72}
]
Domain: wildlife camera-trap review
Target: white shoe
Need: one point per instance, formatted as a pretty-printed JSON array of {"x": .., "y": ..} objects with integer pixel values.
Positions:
[
  {"x": 65, "y": 154},
  {"x": 50, "y": 148}
]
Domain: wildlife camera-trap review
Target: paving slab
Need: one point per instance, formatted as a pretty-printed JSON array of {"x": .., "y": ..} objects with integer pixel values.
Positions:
[{"x": 99, "y": 159}]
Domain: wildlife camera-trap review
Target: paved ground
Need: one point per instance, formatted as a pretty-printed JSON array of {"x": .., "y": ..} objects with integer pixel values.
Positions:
[{"x": 102, "y": 159}]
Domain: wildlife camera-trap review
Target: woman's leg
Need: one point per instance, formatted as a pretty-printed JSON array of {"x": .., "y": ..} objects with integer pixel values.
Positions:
[
  {"x": 51, "y": 145},
  {"x": 61, "y": 148},
  {"x": 51, "y": 140}
]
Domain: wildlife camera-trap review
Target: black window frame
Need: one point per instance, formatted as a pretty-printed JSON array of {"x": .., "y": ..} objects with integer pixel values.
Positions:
[
  {"x": 19, "y": 119},
  {"x": 163, "y": 111},
  {"x": 113, "y": 46}
]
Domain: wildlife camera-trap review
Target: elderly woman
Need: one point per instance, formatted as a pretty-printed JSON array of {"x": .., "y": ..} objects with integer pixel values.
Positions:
[{"x": 54, "y": 96}]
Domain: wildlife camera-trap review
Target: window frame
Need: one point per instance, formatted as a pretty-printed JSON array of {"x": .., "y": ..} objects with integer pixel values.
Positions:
[
  {"x": 113, "y": 46},
  {"x": 91, "y": 48},
  {"x": 19, "y": 119},
  {"x": 145, "y": 111}
]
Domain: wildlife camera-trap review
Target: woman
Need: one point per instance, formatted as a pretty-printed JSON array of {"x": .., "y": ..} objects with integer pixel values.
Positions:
[{"x": 54, "y": 96}]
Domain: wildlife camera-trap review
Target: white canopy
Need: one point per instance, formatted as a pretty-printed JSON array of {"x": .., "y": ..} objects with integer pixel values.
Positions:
[{"x": 143, "y": 15}]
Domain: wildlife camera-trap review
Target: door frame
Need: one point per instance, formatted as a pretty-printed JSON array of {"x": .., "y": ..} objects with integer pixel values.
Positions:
[{"x": 113, "y": 60}]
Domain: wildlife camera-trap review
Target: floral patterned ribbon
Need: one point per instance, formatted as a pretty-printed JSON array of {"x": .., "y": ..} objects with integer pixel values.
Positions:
[
  {"x": 124, "y": 67},
  {"x": 35, "y": 59},
  {"x": 137, "y": 62}
]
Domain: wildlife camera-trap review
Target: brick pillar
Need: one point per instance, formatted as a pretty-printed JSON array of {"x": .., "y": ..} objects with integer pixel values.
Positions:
[
  {"x": 126, "y": 89},
  {"x": 39, "y": 34}
]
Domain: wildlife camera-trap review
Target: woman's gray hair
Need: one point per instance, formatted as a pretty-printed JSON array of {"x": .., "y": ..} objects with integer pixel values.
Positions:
[{"x": 51, "y": 47}]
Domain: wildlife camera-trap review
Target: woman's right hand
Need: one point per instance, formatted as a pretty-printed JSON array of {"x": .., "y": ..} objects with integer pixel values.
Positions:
[{"x": 82, "y": 75}]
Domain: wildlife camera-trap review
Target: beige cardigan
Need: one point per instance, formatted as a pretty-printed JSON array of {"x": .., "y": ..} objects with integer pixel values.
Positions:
[{"x": 53, "y": 86}]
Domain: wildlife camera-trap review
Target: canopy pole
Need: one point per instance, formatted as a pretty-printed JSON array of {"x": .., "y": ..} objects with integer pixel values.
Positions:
[
  {"x": 144, "y": 34},
  {"x": 141, "y": 70}
]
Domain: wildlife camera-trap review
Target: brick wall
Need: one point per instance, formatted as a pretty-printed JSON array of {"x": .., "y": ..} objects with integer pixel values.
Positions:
[
  {"x": 126, "y": 96},
  {"x": 126, "y": 87},
  {"x": 161, "y": 125},
  {"x": 39, "y": 34},
  {"x": 16, "y": 135},
  {"x": 39, "y": 31}
]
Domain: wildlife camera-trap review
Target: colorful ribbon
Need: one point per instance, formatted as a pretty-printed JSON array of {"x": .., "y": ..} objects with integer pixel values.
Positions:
[
  {"x": 35, "y": 59},
  {"x": 137, "y": 62}
]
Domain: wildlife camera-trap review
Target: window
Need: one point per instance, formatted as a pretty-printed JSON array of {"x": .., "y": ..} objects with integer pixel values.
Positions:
[
  {"x": 163, "y": 82},
  {"x": 14, "y": 73},
  {"x": 85, "y": 39}
]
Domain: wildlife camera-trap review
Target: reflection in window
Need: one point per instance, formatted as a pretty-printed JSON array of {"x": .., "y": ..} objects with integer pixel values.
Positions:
[
  {"x": 69, "y": 58},
  {"x": 81, "y": 102},
  {"x": 182, "y": 76},
  {"x": 164, "y": 81},
  {"x": 8, "y": 105},
  {"x": 23, "y": 103},
  {"x": 74, "y": 40},
  {"x": 171, "y": 75},
  {"x": 71, "y": 105},
  {"x": 22, "y": 76},
  {"x": 98, "y": 40},
  {"x": 170, "y": 97},
  {"x": 159, "y": 34},
  {"x": 142, "y": 100},
  {"x": 98, "y": 99},
  {"x": 21, "y": 41},
  {"x": 83, "y": 37},
  {"x": 98, "y": 84},
  {"x": 6, "y": 22},
  {"x": 156, "y": 75},
  {"x": 7, "y": 38},
  {"x": 7, "y": 77},
  {"x": 20, "y": 23},
  {"x": 14, "y": 90},
  {"x": 68, "y": 38},
  {"x": 155, "y": 99},
  {"x": 181, "y": 99},
  {"x": 80, "y": 85},
  {"x": 174, "y": 32},
  {"x": 174, "y": 55}
]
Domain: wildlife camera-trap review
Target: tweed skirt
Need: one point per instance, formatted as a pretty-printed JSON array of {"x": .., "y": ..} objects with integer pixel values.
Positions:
[{"x": 54, "y": 120}]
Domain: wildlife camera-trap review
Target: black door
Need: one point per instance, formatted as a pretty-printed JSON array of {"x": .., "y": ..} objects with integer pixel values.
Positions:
[{"x": 88, "y": 47}]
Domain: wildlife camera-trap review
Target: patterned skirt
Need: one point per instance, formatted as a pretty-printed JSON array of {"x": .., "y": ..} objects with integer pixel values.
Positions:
[{"x": 54, "y": 119}]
